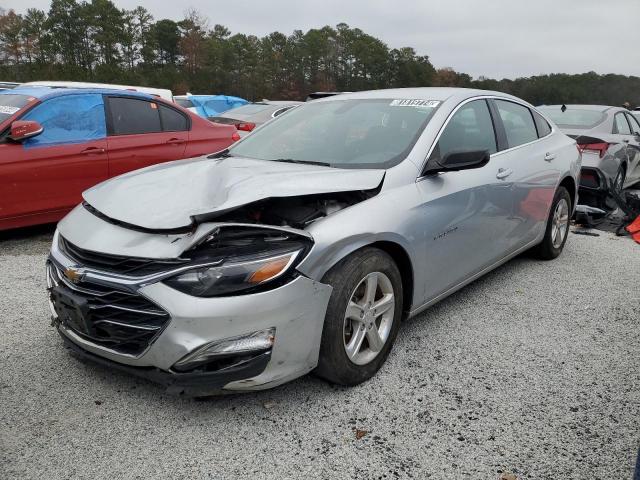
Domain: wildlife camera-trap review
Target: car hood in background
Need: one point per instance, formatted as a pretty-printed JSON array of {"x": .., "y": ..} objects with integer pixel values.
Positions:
[{"x": 168, "y": 196}]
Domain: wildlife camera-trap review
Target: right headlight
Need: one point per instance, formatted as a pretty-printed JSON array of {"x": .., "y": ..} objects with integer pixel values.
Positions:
[
  {"x": 240, "y": 260},
  {"x": 232, "y": 277}
]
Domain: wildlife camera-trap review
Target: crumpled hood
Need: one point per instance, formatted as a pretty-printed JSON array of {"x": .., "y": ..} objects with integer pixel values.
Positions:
[{"x": 166, "y": 196}]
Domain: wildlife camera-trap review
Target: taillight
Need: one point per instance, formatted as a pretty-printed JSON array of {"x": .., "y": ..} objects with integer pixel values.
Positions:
[
  {"x": 235, "y": 137},
  {"x": 601, "y": 148},
  {"x": 245, "y": 126}
]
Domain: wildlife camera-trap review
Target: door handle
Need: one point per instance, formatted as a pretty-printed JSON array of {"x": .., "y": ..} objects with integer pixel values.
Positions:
[
  {"x": 503, "y": 173},
  {"x": 549, "y": 156},
  {"x": 175, "y": 141},
  {"x": 92, "y": 151}
]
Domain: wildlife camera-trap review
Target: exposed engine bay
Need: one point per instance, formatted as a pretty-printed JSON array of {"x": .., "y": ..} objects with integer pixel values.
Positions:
[{"x": 296, "y": 212}]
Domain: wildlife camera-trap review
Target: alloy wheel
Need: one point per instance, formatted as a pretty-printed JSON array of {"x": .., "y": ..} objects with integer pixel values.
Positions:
[
  {"x": 369, "y": 318},
  {"x": 560, "y": 223}
]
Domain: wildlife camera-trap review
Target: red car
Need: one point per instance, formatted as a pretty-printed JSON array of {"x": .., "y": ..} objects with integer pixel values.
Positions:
[{"x": 56, "y": 143}]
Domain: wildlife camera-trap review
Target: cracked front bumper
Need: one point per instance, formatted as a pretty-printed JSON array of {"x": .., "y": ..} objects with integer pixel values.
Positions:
[{"x": 296, "y": 310}]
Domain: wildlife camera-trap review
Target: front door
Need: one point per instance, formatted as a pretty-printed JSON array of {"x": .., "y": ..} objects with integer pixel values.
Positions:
[
  {"x": 49, "y": 172},
  {"x": 466, "y": 214}
]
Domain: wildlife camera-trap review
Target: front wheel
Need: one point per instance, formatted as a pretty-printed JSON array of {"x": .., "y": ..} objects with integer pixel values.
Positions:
[
  {"x": 363, "y": 317},
  {"x": 557, "y": 229}
]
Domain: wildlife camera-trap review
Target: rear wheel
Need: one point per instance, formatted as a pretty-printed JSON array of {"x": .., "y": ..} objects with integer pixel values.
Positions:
[
  {"x": 557, "y": 229},
  {"x": 363, "y": 317}
]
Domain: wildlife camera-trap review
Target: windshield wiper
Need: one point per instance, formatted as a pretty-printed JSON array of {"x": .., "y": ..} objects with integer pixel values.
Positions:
[
  {"x": 305, "y": 162},
  {"x": 223, "y": 154}
]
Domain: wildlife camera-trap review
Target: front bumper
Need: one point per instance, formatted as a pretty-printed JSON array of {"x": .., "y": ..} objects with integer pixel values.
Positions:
[{"x": 296, "y": 310}]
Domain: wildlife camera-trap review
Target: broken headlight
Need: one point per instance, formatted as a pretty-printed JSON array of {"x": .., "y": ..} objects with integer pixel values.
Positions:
[{"x": 239, "y": 263}]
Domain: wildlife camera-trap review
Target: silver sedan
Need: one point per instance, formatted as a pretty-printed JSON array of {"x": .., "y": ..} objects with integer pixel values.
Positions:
[
  {"x": 304, "y": 246},
  {"x": 609, "y": 139}
]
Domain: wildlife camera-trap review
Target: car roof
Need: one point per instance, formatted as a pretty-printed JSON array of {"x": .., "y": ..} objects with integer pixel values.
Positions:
[
  {"x": 43, "y": 93},
  {"x": 421, "y": 93}
]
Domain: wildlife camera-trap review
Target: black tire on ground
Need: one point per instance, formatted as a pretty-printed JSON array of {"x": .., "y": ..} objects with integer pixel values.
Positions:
[
  {"x": 545, "y": 250},
  {"x": 334, "y": 364}
]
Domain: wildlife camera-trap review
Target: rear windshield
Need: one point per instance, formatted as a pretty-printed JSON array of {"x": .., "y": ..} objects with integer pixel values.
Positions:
[
  {"x": 11, "y": 103},
  {"x": 184, "y": 103},
  {"x": 371, "y": 133},
  {"x": 574, "y": 118}
]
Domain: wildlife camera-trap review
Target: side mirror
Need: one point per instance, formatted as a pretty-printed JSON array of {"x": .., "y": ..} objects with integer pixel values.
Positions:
[
  {"x": 459, "y": 160},
  {"x": 23, "y": 129}
]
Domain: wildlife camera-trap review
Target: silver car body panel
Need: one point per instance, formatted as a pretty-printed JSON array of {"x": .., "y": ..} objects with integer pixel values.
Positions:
[
  {"x": 168, "y": 195},
  {"x": 452, "y": 227}
]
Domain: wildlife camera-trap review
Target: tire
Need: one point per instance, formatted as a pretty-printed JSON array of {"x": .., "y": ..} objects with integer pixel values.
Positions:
[
  {"x": 551, "y": 246},
  {"x": 350, "y": 279}
]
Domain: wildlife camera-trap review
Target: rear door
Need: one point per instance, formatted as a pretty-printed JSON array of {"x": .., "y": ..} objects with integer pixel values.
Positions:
[
  {"x": 48, "y": 173},
  {"x": 530, "y": 155},
  {"x": 633, "y": 150},
  {"x": 143, "y": 132}
]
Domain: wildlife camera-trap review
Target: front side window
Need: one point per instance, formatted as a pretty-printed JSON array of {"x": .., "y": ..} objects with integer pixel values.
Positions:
[
  {"x": 620, "y": 125},
  {"x": 364, "y": 133},
  {"x": 68, "y": 119},
  {"x": 469, "y": 129},
  {"x": 130, "y": 116},
  {"x": 518, "y": 123}
]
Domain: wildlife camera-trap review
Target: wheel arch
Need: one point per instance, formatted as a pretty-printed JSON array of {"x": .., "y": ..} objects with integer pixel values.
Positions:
[
  {"x": 319, "y": 266},
  {"x": 570, "y": 184}
]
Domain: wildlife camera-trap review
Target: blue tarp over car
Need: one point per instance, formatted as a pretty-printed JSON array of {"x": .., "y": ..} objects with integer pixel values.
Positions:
[{"x": 211, "y": 105}]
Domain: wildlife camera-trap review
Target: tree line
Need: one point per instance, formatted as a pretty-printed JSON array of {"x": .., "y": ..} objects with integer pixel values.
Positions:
[{"x": 96, "y": 41}]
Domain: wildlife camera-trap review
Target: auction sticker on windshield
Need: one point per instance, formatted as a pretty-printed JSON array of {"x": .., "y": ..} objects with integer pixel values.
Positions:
[
  {"x": 414, "y": 103},
  {"x": 8, "y": 110}
]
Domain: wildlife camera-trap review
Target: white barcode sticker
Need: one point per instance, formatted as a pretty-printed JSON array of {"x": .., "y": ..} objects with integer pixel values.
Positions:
[
  {"x": 408, "y": 102},
  {"x": 8, "y": 110}
]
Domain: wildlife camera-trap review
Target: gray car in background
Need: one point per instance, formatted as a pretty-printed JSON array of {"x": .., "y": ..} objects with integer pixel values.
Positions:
[
  {"x": 303, "y": 246},
  {"x": 609, "y": 139},
  {"x": 249, "y": 117}
]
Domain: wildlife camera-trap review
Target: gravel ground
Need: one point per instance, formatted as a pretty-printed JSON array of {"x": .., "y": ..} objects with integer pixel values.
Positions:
[{"x": 531, "y": 372}]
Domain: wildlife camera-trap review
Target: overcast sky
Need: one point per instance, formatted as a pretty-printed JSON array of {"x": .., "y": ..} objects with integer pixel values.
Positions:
[{"x": 494, "y": 38}]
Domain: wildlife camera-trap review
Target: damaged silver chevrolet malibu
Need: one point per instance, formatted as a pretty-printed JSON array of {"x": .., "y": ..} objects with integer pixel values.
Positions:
[{"x": 303, "y": 246}]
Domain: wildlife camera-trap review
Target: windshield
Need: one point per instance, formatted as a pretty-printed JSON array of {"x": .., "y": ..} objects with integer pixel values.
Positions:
[
  {"x": 372, "y": 133},
  {"x": 11, "y": 103},
  {"x": 574, "y": 118}
]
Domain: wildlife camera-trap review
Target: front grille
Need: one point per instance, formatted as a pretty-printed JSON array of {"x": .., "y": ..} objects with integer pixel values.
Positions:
[
  {"x": 134, "y": 266},
  {"x": 118, "y": 319}
]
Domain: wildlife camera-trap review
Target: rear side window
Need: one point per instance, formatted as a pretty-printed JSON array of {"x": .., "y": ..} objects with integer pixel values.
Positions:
[
  {"x": 542, "y": 125},
  {"x": 620, "y": 125},
  {"x": 518, "y": 123},
  {"x": 469, "y": 129},
  {"x": 634, "y": 122},
  {"x": 131, "y": 116},
  {"x": 68, "y": 119},
  {"x": 172, "y": 120}
]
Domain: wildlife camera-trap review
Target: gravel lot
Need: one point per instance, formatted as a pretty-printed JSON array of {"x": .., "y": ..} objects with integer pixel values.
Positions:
[{"x": 533, "y": 370}]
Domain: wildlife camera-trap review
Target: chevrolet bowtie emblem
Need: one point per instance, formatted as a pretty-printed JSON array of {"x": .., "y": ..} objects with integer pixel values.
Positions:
[{"x": 74, "y": 275}]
